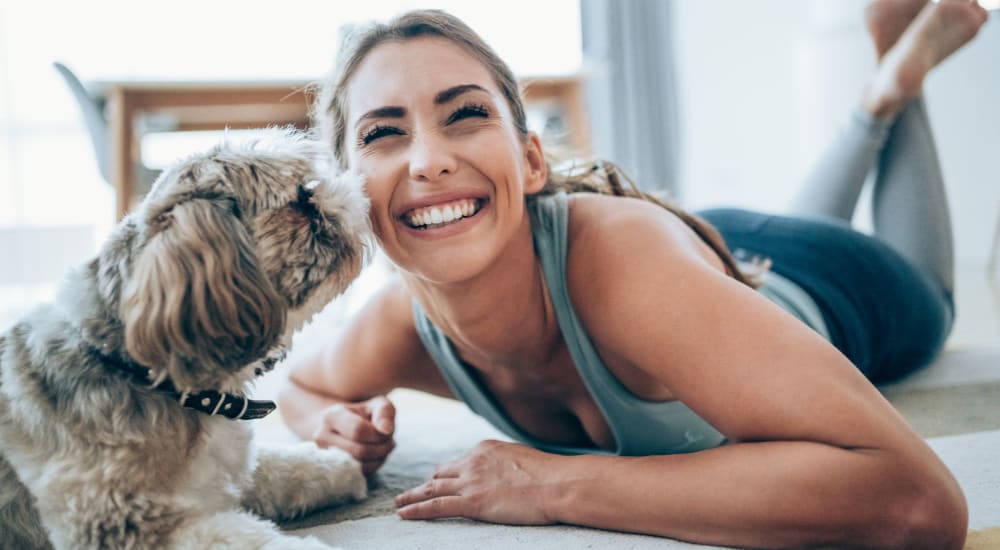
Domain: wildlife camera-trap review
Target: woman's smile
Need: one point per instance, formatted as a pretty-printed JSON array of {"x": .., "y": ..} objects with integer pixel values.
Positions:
[{"x": 444, "y": 219}]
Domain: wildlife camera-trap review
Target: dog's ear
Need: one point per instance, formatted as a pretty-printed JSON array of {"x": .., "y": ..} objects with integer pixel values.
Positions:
[{"x": 197, "y": 302}]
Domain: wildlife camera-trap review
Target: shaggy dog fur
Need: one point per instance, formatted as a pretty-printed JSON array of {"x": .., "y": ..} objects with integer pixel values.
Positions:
[{"x": 231, "y": 252}]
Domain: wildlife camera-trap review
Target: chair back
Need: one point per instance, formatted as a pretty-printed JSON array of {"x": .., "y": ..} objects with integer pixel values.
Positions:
[{"x": 92, "y": 109}]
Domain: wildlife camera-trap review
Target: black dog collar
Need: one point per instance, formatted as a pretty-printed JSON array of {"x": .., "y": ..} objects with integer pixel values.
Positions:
[{"x": 210, "y": 402}]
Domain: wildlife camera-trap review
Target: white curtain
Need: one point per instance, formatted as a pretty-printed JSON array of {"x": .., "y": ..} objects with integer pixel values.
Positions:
[{"x": 631, "y": 98}]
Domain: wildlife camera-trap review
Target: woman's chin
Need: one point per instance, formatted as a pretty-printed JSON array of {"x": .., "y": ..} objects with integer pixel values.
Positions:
[{"x": 445, "y": 265}]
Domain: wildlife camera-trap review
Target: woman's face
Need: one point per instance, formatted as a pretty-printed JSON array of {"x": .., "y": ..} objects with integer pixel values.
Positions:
[{"x": 445, "y": 168}]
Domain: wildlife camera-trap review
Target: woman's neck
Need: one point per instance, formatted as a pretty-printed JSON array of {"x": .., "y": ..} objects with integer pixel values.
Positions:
[{"x": 502, "y": 317}]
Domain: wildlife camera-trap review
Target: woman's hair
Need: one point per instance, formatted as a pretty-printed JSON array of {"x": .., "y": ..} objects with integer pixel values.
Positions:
[{"x": 330, "y": 115}]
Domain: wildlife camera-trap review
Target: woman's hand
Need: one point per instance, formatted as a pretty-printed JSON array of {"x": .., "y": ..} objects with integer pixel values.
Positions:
[
  {"x": 496, "y": 482},
  {"x": 363, "y": 429}
]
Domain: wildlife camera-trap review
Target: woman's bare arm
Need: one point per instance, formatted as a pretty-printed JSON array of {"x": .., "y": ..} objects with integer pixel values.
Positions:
[
  {"x": 378, "y": 351},
  {"x": 817, "y": 454}
]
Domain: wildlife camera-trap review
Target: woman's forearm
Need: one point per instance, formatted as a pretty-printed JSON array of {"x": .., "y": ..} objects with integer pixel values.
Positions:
[
  {"x": 772, "y": 494},
  {"x": 301, "y": 409}
]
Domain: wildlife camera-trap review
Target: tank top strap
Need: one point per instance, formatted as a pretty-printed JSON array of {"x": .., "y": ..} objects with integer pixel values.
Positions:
[{"x": 662, "y": 426}]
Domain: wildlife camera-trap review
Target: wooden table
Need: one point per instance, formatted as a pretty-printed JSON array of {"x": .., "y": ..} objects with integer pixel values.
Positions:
[
  {"x": 215, "y": 105},
  {"x": 190, "y": 106}
]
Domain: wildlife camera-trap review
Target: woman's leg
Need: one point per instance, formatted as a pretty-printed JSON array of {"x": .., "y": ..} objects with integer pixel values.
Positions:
[
  {"x": 909, "y": 203},
  {"x": 907, "y": 270},
  {"x": 833, "y": 186},
  {"x": 910, "y": 208}
]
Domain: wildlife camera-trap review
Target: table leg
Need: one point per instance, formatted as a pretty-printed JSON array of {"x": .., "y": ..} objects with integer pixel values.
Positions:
[{"x": 122, "y": 151}]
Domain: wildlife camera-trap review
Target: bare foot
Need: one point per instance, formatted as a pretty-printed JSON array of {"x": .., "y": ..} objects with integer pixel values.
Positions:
[
  {"x": 938, "y": 31},
  {"x": 887, "y": 19}
]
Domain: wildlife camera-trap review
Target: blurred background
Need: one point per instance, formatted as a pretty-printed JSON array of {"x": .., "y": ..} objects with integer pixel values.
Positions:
[{"x": 718, "y": 102}]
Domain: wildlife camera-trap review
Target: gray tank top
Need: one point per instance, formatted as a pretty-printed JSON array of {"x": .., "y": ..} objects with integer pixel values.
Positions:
[{"x": 639, "y": 427}]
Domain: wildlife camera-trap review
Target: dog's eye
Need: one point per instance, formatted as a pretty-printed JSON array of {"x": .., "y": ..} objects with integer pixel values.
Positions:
[{"x": 303, "y": 202}]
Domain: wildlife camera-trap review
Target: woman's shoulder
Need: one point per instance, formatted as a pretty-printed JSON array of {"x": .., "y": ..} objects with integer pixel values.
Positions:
[
  {"x": 621, "y": 244},
  {"x": 601, "y": 227},
  {"x": 595, "y": 209}
]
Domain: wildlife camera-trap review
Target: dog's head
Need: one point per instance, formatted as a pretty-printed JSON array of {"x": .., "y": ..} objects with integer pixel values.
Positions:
[{"x": 234, "y": 250}]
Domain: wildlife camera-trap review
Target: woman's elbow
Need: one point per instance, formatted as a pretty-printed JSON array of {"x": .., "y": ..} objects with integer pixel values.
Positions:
[{"x": 936, "y": 517}]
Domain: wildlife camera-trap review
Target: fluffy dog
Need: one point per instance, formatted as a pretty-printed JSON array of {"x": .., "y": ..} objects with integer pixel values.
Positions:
[{"x": 122, "y": 406}]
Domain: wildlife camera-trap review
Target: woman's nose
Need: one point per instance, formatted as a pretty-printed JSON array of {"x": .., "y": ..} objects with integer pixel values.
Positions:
[{"x": 430, "y": 157}]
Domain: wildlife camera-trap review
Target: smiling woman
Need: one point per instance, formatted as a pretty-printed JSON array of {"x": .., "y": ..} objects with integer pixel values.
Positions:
[{"x": 652, "y": 382}]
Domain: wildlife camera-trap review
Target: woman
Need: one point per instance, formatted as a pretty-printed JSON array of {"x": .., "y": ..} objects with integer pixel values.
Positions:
[{"x": 653, "y": 388}]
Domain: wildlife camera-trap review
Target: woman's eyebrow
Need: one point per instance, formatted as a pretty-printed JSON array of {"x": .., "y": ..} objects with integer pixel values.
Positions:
[
  {"x": 451, "y": 93},
  {"x": 381, "y": 112},
  {"x": 441, "y": 98}
]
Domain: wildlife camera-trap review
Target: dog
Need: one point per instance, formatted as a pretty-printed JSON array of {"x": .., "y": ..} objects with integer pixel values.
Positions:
[{"x": 123, "y": 406}]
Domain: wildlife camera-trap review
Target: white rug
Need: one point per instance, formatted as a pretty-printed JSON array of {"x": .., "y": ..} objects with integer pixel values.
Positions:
[{"x": 973, "y": 458}]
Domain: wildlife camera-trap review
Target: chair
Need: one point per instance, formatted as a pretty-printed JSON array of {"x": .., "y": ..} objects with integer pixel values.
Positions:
[{"x": 92, "y": 107}]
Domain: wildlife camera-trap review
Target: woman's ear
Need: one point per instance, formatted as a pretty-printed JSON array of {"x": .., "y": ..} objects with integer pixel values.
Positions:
[{"x": 537, "y": 170}]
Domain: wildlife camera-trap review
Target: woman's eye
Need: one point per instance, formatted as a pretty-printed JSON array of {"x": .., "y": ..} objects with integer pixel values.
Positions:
[
  {"x": 469, "y": 111},
  {"x": 379, "y": 131}
]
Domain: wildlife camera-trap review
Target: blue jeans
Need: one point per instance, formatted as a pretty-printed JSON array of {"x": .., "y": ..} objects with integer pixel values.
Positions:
[{"x": 883, "y": 313}]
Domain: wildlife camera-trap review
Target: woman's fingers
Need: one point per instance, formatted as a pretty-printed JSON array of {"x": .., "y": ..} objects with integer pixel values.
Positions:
[
  {"x": 362, "y": 452},
  {"x": 382, "y": 414},
  {"x": 441, "y": 507},
  {"x": 429, "y": 490},
  {"x": 352, "y": 428},
  {"x": 353, "y": 423},
  {"x": 448, "y": 469}
]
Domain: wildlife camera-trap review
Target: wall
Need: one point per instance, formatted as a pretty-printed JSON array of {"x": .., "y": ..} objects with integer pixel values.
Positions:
[{"x": 764, "y": 84}]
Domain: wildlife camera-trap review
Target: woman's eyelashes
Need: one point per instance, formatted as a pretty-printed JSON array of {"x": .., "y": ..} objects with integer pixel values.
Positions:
[
  {"x": 379, "y": 131},
  {"x": 469, "y": 110}
]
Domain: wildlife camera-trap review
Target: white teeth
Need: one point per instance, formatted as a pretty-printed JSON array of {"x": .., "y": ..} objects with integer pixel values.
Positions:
[{"x": 439, "y": 215}]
